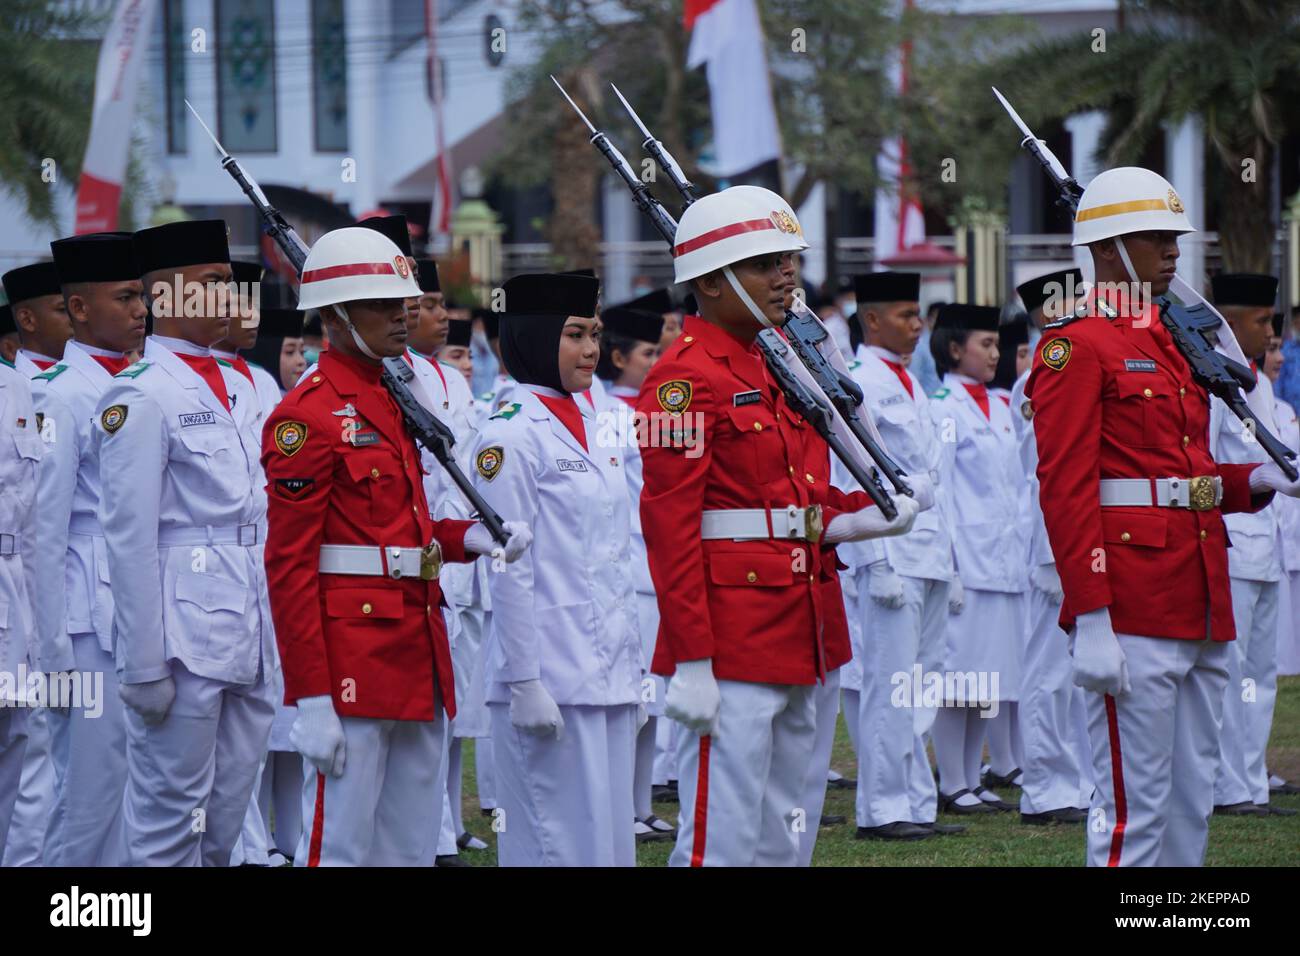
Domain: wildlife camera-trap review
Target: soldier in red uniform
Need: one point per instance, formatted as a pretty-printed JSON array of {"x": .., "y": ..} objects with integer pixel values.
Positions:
[
  {"x": 352, "y": 558},
  {"x": 732, "y": 513},
  {"x": 1133, "y": 504}
]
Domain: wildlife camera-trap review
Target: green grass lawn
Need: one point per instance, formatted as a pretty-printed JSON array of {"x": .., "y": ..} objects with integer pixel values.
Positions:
[{"x": 1000, "y": 839}]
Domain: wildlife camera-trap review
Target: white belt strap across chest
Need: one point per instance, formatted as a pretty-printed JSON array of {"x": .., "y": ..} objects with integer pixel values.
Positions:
[
  {"x": 389, "y": 562},
  {"x": 1202, "y": 493},
  {"x": 747, "y": 524}
]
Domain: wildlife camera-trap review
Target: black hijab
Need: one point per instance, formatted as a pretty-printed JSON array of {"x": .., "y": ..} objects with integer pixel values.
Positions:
[{"x": 536, "y": 307}]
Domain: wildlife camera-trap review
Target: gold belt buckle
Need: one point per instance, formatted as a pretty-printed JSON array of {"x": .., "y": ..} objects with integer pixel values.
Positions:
[
  {"x": 812, "y": 523},
  {"x": 1201, "y": 495},
  {"x": 430, "y": 561}
]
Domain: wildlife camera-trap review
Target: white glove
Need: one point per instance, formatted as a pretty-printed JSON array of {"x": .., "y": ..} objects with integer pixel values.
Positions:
[
  {"x": 480, "y": 541},
  {"x": 922, "y": 491},
  {"x": 956, "y": 596},
  {"x": 884, "y": 586},
  {"x": 870, "y": 523},
  {"x": 533, "y": 710},
  {"x": 1099, "y": 663},
  {"x": 1044, "y": 578},
  {"x": 693, "y": 698},
  {"x": 1269, "y": 477},
  {"x": 317, "y": 734},
  {"x": 151, "y": 700}
]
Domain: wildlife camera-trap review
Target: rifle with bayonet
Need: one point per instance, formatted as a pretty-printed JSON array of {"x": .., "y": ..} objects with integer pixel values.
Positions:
[
  {"x": 1194, "y": 325},
  {"x": 805, "y": 397},
  {"x": 396, "y": 375}
]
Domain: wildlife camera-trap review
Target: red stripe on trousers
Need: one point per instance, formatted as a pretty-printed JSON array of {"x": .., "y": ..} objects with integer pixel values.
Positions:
[
  {"x": 1117, "y": 780},
  {"x": 317, "y": 822},
  {"x": 701, "y": 804}
]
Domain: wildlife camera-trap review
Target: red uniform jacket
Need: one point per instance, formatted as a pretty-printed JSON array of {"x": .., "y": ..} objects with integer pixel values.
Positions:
[
  {"x": 1114, "y": 398},
  {"x": 757, "y": 608},
  {"x": 342, "y": 469}
]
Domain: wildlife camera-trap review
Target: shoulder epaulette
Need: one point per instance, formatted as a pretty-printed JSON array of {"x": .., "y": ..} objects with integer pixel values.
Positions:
[
  {"x": 222, "y": 361},
  {"x": 507, "y": 411},
  {"x": 940, "y": 393},
  {"x": 51, "y": 374},
  {"x": 135, "y": 370}
]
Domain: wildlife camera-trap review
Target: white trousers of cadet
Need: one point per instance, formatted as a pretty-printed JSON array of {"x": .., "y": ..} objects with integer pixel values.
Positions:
[
  {"x": 189, "y": 779},
  {"x": 826, "y": 712},
  {"x": 1049, "y": 702},
  {"x": 89, "y": 754},
  {"x": 13, "y": 747},
  {"x": 739, "y": 790},
  {"x": 1251, "y": 693},
  {"x": 667, "y": 742},
  {"x": 566, "y": 802},
  {"x": 254, "y": 844},
  {"x": 35, "y": 802},
  {"x": 894, "y": 778},
  {"x": 1154, "y": 753},
  {"x": 1288, "y": 624},
  {"x": 386, "y": 808}
]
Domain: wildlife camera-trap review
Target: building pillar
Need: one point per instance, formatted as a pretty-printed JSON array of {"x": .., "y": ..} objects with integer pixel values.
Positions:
[{"x": 1185, "y": 160}]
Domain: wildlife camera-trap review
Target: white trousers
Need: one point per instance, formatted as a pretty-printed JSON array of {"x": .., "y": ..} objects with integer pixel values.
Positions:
[
  {"x": 89, "y": 755},
  {"x": 826, "y": 712},
  {"x": 566, "y": 802},
  {"x": 667, "y": 741},
  {"x": 254, "y": 844},
  {"x": 741, "y": 790},
  {"x": 35, "y": 802},
  {"x": 385, "y": 809},
  {"x": 189, "y": 779},
  {"x": 1288, "y": 625},
  {"x": 13, "y": 747},
  {"x": 1250, "y": 695},
  {"x": 894, "y": 778},
  {"x": 1054, "y": 776},
  {"x": 1154, "y": 753}
]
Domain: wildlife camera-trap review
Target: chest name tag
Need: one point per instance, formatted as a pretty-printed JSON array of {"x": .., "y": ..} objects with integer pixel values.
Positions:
[
  {"x": 566, "y": 464},
  {"x": 1139, "y": 365},
  {"x": 746, "y": 398},
  {"x": 892, "y": 400},
  {"x": 198, "y": 418},
  {"x": 365, "y": 438}
]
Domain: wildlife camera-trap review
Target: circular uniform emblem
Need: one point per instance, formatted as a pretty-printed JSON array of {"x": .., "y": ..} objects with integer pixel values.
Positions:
[
  {"x": 1175, "y": 204},
  {"x": 289, "y": 437},
  {"x": 1056, "y": 353},
  {"x": 403, "y": 268},
  {"x": 1027, "y": 409},
  {"x": 114, "y": 417},
  {"x": 489, "y": 461},
  {"x": 674, "y": 396}
]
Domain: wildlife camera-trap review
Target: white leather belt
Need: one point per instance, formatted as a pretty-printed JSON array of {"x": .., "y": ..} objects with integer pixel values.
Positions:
[
  {"x": 389, "y": 562},
  {"x": 746, "y": 524},
  {"x": 244, "y": 535},
  {"x": 8, "y": 544},
  {"x": 86, "y": 524},
  {"x": 1203, "y": 493}
]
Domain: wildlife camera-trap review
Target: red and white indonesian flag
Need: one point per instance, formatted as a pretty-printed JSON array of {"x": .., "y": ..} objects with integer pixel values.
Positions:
[
  {"x": 900, "y": 222},
  {"x": 727, "y": 37},
  {"x": 116, "y": 80}
]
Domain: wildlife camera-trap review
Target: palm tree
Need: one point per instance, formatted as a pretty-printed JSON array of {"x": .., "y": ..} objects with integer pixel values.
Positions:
[
  {"x": 47, "y": 74},
  {"x": 1234, "y": 63}
]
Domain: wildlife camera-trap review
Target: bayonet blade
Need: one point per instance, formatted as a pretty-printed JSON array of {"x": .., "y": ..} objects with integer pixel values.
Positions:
[
  {"x": 635, "y": 119},
  {"x": 1011, "y": 110},
  {"x": 594, "y": 131},
  {"x": 215, "y": 142}
]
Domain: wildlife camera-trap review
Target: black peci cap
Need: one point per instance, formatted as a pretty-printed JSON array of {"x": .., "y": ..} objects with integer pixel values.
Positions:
[
  {"x": 32, "y": 282},
  {"x": 179, "y": 244},
  {"x": 637, "y": 324},
  {"x": 971, "y": 318},
  {"x": 887, "y": 287},
  {"x": 459, "y": 332},
  {"x": 96, "y": 257},
  {"x": 1038, "y": 290},
  {"x": 426, "y": 274},
  {"x": 1244, "y": 288},
  {"x": 395, "y": 228},
  {"x": 551, "y": 293}
]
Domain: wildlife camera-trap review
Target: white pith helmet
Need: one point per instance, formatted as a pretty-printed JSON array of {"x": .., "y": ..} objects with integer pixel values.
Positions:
[
  {"x": 729, "y": 226},
  {"x": 776, "y": 202},
  {"x": 1128, "y": 199},
  {"x": 354, "y": 263}
]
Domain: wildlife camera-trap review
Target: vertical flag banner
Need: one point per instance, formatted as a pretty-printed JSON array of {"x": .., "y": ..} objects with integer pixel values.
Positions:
[
  {"x": 116, "y": 80},
  {"x": 727, "y": 38},
  {"x": 900, "y": 222},
  {"x": 440, "y": 216}
]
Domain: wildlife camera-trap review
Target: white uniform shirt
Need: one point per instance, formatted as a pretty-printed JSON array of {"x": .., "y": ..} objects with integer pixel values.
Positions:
[
  {"x": 1035, "y": 531},
  {"x": 178, "y": 475},
  {"x": 20, "y": 455},
  {"x": 267, "y": 388},
  {"x": 1288, "y": 508},
  {"x": 25, "y": 363},
  {"x": 565, "y": 612},
  {"x": 72, "y": 552},
  {"x": 1254, "y": 554},
  {"x": 980, "y": 480},
  {"x": 616, "y": 425}
]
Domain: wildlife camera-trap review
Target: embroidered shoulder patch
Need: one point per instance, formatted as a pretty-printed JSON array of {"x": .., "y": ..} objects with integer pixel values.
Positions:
[
  {"x": 114, "y": 417},
  {"x": 507, "y": 411},
  {"x": 51, "y": 374},
  {"x": 1056, "y": 353},
  {"x": 135, "y": 370},
  {"x": 1027, "y": 409},
  {"x": 294, "y": 488},
  {"x": 290, "y": 437},
  {"x": 489, "y": 460},
  {"x": 674, "y": 395}
]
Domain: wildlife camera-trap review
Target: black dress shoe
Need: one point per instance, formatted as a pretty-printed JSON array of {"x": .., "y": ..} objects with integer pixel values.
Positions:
[
  {"x": 1287, "y": 788},
  {"x": 898, "y": 830},
  {"x": 665, "y": 793},
  {"x": 1048, "y": 817},
  {"x": 487, "y": 811},
  {"x": 1270, "y": 810},
  {"x": 993, "y": 780},
  {"x": 943, "y": 829},
  {"x": 833, "y": 819},
  {"x": 999, "y": 804},
  {"x": 948, "y": 804},
  {"x": 1244, "y": 809},
  {"x": 451, "y": 859},
  {"x": 843, "y": 783}
]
